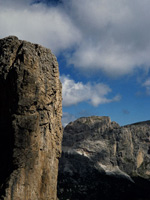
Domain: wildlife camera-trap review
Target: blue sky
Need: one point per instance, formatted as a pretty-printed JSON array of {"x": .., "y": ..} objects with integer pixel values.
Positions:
[{"x": 102, "y": 47}]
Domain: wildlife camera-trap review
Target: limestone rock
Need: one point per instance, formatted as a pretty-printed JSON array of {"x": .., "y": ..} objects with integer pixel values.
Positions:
[
  {"x": 30, "y": 121},
  {"x": 102, "y": 160}
]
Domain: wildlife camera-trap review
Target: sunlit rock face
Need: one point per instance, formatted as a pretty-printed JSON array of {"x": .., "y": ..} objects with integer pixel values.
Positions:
[
  {"x": 30, "y": 121},
  {"x": 102, "y": 160}
]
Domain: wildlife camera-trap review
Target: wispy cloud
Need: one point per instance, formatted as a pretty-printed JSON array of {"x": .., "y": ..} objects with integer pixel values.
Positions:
[
  {"x": 146, "y": 84},
  {"x": 66, "y": 118},
  {"x": 126, "y": 112},
  {"x": 76, "y": 92}
]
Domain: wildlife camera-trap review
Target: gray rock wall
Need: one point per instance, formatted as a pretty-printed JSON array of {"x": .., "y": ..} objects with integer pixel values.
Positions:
[
  {"x": 102, "y": 160},
  {"x": 30, "y": 121}
]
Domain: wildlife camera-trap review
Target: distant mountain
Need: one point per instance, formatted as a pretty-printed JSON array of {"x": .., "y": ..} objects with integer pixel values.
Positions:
[
  {"x": 141, "y": 123},
  {"x": 103, "y": 161}
]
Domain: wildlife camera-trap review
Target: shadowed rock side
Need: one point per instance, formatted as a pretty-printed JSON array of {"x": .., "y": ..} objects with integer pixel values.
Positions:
[
  {"x": 30, "y": 121},
  {"x": 103, "y": 161}
]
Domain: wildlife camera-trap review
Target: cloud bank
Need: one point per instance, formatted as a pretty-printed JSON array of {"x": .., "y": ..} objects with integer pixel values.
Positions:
[
  {"x": 48, "y": 26},
  {"x": 108, "y": 35},
  {"x": 95, "y": 94},
  {"x": 116, "y": 35}
]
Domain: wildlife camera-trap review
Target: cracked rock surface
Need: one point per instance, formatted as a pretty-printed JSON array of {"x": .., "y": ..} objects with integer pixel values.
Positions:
[{"x": 30, "y": 121}]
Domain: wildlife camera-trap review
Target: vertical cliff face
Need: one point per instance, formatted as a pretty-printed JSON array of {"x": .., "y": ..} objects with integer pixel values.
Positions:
[
  {"x": 30, "y": 121},
  {"x": 101, "y": 160}
]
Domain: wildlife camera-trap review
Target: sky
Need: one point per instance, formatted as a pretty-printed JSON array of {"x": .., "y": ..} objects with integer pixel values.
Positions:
[{"x": 102, "y": 47}]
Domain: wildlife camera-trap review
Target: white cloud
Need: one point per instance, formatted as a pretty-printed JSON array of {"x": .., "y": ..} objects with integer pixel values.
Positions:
[
  {"x": 146, "y": 84},
  {"x": 74, "y": 93},
  {"x": 116, "y": 35},
  {"x": 49, "y": 26},
  {"x": 108, "y": 35}
]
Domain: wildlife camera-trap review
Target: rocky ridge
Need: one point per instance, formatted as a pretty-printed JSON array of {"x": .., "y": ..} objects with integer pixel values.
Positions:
[
  {"x": 102, "y": 160},
  {"x": 30, "y": 121}
]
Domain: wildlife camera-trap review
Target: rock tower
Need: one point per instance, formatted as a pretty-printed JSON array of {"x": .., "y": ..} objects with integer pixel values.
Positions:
[{"x": 30, "y": 121}]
